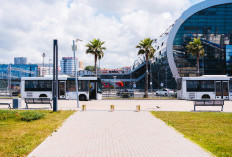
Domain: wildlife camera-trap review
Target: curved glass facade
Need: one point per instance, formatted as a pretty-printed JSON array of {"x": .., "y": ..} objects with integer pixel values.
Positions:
[{"x": 214, "y": 27}]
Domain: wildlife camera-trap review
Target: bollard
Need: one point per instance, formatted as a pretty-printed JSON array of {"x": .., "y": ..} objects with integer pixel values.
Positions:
[
  {"x": 137, "y": 108},
  {"x": 111, "y": 108},
  {"x": 83, "y": 107}
]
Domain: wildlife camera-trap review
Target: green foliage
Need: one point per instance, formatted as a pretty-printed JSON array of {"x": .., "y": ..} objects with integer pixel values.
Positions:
[
  {"x": 31, "y": 115},
  {"x": 19, "y": 115},
  {"x": 8, "y": 114},
  {"x": 195, "y": 48},
  {"x": 19, "y": 138},
  {"x": 90, "y": 68},
  {"x": 145, "y": 48},
  {"x": 211, "y": 130},
  {"x": 96, "y": 48}
]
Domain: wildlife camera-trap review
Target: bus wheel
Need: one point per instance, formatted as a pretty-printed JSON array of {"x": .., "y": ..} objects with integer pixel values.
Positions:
[
  {"x": 43, "y": 96},
  {"x": 205, "y": 96},
  {"x": 82, "y": 97}
]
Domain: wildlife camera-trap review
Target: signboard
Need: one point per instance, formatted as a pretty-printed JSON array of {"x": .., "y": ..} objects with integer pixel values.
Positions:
[
  {"x": 162, "y": 84},
  {"x": 134, "y": 85}
]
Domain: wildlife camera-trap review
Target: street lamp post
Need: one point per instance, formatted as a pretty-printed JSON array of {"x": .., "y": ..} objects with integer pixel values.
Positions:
[
  {"x": 49, "y": 66},
  {"x": 74, "y": 47},
  {"x": 151, "y": 76},
  {"x": 115, "y": 82},
  {"x": 43, "y": 55}
]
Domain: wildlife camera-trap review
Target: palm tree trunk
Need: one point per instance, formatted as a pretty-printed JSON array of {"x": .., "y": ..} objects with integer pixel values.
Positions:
[
  {"x": 198, "y": 67},
  {"x": 95, "y": 64},
  {"x": 146, "y": 79}
]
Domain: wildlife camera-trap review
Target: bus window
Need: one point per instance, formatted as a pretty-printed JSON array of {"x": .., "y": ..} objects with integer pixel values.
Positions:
[
  {"x": 179, "y": 83},
  {"x": 83, "y": 85},
  {"x": 99, "y": 87},
  {"x": 40, "y": 85},
  {"x": 230, "y": 85},
  {"x": 71, "y": 86},
  {"x": 207, "y": 86},
  {"x": 193, "y": 86}
]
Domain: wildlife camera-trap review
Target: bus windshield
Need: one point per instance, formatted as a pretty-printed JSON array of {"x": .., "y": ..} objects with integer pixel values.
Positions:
[
  {"x": 99, "y": 87},
  {"x": 230, "y": 85}
]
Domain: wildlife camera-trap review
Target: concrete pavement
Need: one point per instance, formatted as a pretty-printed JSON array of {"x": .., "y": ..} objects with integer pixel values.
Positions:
[{"x": 122, "y": 133}]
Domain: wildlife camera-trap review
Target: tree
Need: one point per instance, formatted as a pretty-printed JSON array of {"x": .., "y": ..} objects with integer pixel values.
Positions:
[
  {"x": 95, "y": 47},
  {"x": 145, "y": 48},
  {"x": 195, "y": 48},
  {"x": 89, "y": 68}
]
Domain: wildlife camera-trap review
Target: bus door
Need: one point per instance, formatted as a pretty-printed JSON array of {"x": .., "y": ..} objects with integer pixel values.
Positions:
[
  {"x": 62, "y": 90},
  {"x": 222, "y": 90},
  {"x": 218, "y": 90},
  {"x": 92, "y": 88},
  {"x": 225, "y": 90}
]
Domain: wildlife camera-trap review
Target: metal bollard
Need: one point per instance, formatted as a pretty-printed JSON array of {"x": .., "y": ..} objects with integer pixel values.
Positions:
[
  {"x": 111, "y": 108},
  {"x": 137, "y": 108},
  {"x": 83, "y": 107}
]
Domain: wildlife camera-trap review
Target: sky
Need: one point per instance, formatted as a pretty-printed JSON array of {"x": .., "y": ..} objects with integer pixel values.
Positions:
[{"x": 28, "y": 28}]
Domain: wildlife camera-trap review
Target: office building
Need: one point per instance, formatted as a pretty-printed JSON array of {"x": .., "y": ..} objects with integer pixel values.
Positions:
[
  {"x": 67, "y": 66},
  {"x": 20, "y": 60}
]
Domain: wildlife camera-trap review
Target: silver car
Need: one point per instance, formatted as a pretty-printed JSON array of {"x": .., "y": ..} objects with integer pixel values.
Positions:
[{"x": 165, "y": 92}]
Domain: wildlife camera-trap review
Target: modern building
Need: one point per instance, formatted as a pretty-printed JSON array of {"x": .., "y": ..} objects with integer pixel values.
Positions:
[
  {"x": 17, "y": 71},
  {"x": 67, "y": 66},
  {"x": 45, "y": 69},
  {"x": 211, "y": 21},
  {"x": 20, "y": 60},
  {"x": 81, "y": 65}
]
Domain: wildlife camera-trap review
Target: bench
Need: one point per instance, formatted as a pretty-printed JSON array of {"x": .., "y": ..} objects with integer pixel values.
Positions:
[
  {"x": 38, "y": 101},
  {"x": 8, "y": 104},
  {"x": 208, "y": 103}
]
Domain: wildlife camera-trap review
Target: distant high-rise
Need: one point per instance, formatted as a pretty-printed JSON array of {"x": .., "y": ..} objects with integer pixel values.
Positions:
[
  {"x": 20, "y": 60},
  {"x": 67, "y": 66}
]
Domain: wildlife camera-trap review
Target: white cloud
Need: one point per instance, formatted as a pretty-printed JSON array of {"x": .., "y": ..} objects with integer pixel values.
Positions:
[{"x": 27, "y": 28}]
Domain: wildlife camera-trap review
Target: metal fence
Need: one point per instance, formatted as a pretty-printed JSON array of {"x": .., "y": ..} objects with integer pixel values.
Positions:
[{"x": 135, "y": 94}]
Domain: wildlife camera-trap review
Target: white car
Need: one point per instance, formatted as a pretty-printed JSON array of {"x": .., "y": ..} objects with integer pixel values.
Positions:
[{"x": 165, "y": 92}]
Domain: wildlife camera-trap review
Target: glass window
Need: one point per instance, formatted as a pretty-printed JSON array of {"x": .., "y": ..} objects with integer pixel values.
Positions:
[
  {"x": 230, "y": 85},
  {"x": 193, "y": 86},
  {"x": 207, "y": 86},
  {"x": 38, "y": 85},
  {"x": 83, "y": 85},
  {"x": 179, "y": 83},
  {"x": 71, "y": 86},
  {"x": 212, "y": 26},
  {"x": 99, "y": 87}
]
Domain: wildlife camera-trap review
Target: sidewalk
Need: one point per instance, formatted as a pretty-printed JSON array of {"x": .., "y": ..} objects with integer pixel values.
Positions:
[{"x": 100, "y": 133}]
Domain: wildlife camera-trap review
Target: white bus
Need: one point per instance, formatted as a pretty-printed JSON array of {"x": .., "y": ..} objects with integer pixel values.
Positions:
[
  {"x": 37, "y": 87},
  {"x": 215, "y": 87}
]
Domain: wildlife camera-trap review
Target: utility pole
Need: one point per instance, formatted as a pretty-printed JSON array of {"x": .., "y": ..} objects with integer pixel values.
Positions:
[
  {"x": 49, "y": 66},
  {"x": 43, "y": 55},
  {"x": 74, "y": 47},
  {"x": 151, "y": 77},
  {"x": 55, "y": 75},
  {"x": 166, "y": 80}
]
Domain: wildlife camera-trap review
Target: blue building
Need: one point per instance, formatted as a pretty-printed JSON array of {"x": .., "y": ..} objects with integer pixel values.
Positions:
[
  {"x": 17, "y": 71},
  {"x": 211, "y": 21}
]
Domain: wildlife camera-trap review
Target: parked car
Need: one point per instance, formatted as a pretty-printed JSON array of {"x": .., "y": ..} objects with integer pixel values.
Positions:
[
  {"x": 165, "y": 92},
  {"x": 124, "y": 92}
]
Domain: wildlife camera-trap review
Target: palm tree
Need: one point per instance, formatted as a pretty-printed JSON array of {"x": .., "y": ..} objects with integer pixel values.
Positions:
[
  {"x": 95, "y": 47},
  {"x": 196, "y": 49},
  {"x": 145, "y": 48}
]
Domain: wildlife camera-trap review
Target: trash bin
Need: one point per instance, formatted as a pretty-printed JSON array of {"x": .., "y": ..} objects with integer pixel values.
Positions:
[{"x": 17, "y": 103}]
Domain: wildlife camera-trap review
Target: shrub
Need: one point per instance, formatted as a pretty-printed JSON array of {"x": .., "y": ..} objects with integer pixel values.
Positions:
[
  {"x": 8, "y": 114},
  {"x": 31, "y": 115},
  {"x": 125, "y": 95}
]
